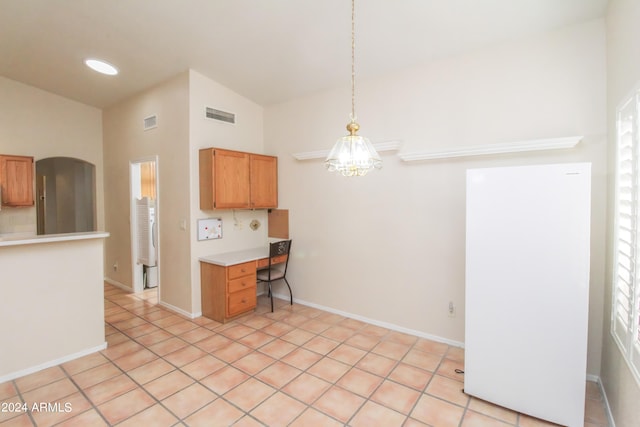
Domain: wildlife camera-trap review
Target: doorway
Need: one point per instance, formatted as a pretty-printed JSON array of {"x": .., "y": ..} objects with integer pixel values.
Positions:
[
  {"x": 66, "y": 201},
  {"x": 145, "y": 227}
]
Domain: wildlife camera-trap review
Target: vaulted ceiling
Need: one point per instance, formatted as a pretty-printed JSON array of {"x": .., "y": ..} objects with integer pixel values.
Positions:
[{"x": 266, "y": 50}]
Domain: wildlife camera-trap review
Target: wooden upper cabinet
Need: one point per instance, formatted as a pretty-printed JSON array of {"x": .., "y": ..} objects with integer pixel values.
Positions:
[
  {"x": 231, "y": 179},
  {"x": 264, "y": 181},
  {"x": 16, "y": 180},
  {"x": 237, "y": 180}
]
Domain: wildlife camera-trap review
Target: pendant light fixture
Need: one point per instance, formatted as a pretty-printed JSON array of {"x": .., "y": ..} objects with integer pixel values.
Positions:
[{"x": 353, "y": 155}]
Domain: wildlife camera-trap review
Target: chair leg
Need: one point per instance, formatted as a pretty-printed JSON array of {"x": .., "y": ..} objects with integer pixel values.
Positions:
[
  {"x": 271, "y": 295},
  {"x": 290, "y": 293}
]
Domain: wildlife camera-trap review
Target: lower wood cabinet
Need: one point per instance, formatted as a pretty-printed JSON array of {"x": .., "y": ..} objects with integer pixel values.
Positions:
[{"x": 227, "y": 292}]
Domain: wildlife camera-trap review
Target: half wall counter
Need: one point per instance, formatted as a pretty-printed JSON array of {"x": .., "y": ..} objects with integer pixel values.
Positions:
[{"x": 52, "y": 300}]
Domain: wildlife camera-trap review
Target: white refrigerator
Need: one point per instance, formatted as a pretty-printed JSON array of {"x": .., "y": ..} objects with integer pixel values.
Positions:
[
  {"x": 527, "y": 288},
  {"x": 146, "y": 232}
]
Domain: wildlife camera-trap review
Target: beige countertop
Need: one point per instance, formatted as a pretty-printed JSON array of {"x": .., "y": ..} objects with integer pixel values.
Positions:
[
  {"x": 226, "y": 259},
  {"x": 15, "y": 239}
]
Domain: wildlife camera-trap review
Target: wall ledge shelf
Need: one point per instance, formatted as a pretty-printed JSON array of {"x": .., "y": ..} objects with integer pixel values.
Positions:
[
  {"x": 322, "y": 154},
  {"x": 502, "y": 148}
]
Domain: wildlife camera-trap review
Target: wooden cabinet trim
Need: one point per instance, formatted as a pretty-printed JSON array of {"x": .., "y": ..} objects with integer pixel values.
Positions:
[
  {"x": 264, "y": 181},
  {"x": 232, "y": 179},
  {"x": 239, "y": 302},
  {"x": 205, "y": 172},
  {"x": 264, "y": 262},
  {"x": 16, "y": 180},
  {"x": 227, "y": 292},
  {"x": 241, "y": 284},
  {"x": 239, "y": 270}
]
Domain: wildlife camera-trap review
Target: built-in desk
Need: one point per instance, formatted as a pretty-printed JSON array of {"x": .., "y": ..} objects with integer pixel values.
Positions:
[
  {"x": 228, "y": 282},
  {"x": 238, "y": 257}
]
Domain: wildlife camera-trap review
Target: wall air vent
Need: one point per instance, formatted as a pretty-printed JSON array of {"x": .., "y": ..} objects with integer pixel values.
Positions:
[
  {"x": 223, "y": 116},
  {"x": 151, "y": 122}
]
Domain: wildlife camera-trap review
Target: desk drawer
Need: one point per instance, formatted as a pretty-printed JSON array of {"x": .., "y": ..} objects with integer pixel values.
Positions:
[
  {"x": 240, "y": 270},
  {"x": 242, "y": 301},
  {"x": 242, "y": 283},
  {"x": 264, "y": 262}
]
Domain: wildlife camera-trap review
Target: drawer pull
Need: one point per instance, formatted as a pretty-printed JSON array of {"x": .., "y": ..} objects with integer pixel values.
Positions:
[{"x": 244, "y": 301}]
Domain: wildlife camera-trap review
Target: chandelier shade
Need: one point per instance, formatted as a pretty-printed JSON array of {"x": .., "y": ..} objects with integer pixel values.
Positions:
[{"x": 353, "y": 155}]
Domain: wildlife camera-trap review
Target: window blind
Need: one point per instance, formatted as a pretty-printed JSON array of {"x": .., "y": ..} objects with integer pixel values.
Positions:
[{"x": 626, "y": 285}]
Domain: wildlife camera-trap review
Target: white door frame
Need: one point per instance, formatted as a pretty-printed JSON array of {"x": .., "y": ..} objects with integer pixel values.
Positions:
[{"x": 134, "y": 192}]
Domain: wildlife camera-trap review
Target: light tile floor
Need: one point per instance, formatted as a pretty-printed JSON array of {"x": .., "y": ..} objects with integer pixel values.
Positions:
[{"x": 298, "y": 366}]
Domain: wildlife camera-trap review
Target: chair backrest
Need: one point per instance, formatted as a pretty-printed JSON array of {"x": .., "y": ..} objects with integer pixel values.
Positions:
[
  {"x": 283, "y": 247},
  {"x": 279, "y": 248}
]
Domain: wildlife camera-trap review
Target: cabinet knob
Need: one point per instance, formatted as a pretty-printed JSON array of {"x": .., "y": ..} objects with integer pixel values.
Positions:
[{"x": 244, "y": 301}]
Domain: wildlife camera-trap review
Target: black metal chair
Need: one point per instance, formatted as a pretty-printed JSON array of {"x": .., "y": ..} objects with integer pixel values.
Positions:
[{"x": 277, "y": 269}]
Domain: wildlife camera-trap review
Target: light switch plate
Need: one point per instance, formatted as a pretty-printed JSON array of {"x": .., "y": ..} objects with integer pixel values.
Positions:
[{"x": 209, "y": 228}]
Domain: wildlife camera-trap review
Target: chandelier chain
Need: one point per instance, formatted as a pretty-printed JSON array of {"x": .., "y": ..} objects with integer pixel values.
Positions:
[{"x": 353, "y": 61}]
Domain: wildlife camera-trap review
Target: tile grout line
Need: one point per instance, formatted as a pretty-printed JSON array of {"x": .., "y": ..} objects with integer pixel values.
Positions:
[
  {"x": 180, "y": 419},
  {"x": 112, "y": 361},
  {"x": 218, "y": 331},
  {"x": 380, "y": 339},
  {"x": 82, "y": 391},
  {"x": 158, "y": 357},
  {"x": 198, "y": 381},
  {"x": 19, "y": 394},
  {"x": 298, "y": 346},
  {"x": 137, "y": 310},
  {"x": 236, "y": 340}
]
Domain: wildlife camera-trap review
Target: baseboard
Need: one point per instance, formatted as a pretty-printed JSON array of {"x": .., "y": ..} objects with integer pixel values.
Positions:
[
  {"x": 179, "y": 310},
  {"x": 375, "y": 322},
  {"x": 397, "y": 328},
  {"x": 593, "y": 378},
  {"x": 118, "y": 284},
  {"x": 49, "y": 364},
  {"x": 607, "y": 408},
  {"x": 161, "y": 303}
]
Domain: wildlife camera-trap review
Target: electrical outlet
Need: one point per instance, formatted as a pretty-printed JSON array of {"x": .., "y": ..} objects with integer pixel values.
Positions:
[{"x": 452, "y": 309}]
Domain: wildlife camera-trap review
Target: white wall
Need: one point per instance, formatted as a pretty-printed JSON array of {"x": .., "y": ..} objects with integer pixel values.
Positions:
[
  {"x": 51, "y": 313},
  {"x": 40, "y": 124},
  {"x": 390, "y": 246},
  {"x": 623, "y": 73},
  {"x": 125, "y": 140},
  {"x": 182, "y": 130},
  {"x": 244, "y": 135}
]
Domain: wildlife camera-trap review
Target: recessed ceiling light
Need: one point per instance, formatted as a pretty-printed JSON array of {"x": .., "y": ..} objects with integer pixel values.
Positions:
[{"x": 101, "y": 67}]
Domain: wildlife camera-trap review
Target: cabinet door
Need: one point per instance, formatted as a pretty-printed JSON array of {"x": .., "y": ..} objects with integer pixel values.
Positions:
[
  {"x": 231, "y": 179},
  {"x": 264, "y": 181},
  {"x": 16, "y": 179}
]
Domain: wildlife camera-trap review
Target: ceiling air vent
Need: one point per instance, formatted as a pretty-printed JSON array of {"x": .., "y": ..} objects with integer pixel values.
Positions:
[
  {"x": 150, "y": 122},
  {"x": 223, "y": 116}
]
